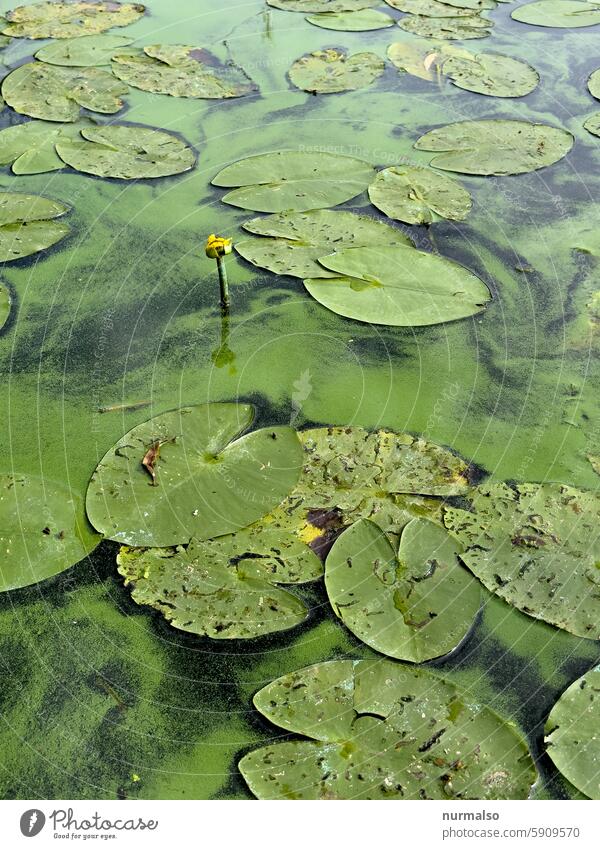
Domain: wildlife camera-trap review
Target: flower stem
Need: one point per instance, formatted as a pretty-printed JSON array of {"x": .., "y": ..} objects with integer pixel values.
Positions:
[{"x": 223, "y": 282}]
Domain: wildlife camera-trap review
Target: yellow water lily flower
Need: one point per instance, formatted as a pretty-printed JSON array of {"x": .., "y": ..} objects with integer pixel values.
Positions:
[{"x": 217, "y": 246}]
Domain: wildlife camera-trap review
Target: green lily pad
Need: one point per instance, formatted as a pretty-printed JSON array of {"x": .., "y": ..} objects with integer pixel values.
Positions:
[
  {"x": 87, "y": 51},
  {"x": 383, "y": 730},
  {"x": 418, "y": 195},
  {"x": 592, "y": 124},
  {"x": 536, "y": 546},
  {"x": 54, "y": 93},
  {"x": 497, "y": 147},
  {"x": 416, "y": 604},
  {"x": 330, "y": 71},
  {"x": 457, "y": 28},
  {"x": 361, "y": 21},
  {"x": 43, "y": 530},
  {"x": 5, "y": 304},
  {"x": 184, "y": 475},
  {"x": 350, "y": 474},
  {"x": 291, "y": 180},
  {"x": 181, "y": 71},
  {"x": 398, "y": 286},
  {"x": 433, "y": 8},
  {"x": 322, "y": 5},
  {"x": 594, "y": 84},
  {"x": 475, "y": 5},
  {"x": 200, "y": 590},
  {"x": 126, "y": 153},
  {"x": 296, "y": 240},
  {"x": 26, "y": 226},
  {"x": 30, "y": 147},
  {"x": 491, "y": 74},
  {"x": 71, "y": 19},
  {"x": 558, "y": 13},
  {"x": 572, "y": 734}
]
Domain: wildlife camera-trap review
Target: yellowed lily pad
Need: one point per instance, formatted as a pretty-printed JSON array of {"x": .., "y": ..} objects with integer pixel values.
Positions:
[{"x": 457, "y": 28}]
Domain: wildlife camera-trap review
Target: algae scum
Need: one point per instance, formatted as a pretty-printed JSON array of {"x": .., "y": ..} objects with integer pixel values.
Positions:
[{"x": 413, "y": 477}]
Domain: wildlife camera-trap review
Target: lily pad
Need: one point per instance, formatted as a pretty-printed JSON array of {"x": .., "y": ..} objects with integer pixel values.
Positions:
[
  {"x": 594, "y": 84},
  {"x": 295, "y": 240},
  {"x": 126, "y": 153},
  {"x": 181, "y": 71},
  {"x": 592, "y": 124},
  {"x": 350, "y": 474},
  {"x": 26, "y": 224},
  {"x": 87, "y": 51},
  {"x": 69, "y": 19},
  {"x": 30, "y": 147},
  {"x": 398, "y": 286},
  {"x": 361, "y": 21},
  {"x": 558, "y": 13},
  {"x": 291, "y": 180},
  {"x": 43, "y": 530},
  {"x": 418, "y": 195},
  {"x": 491, "y": 74},
  {"x": 200, "y": 590},
  {"x": 457, "y": 28},
  {"x": 5, "y": 304},
  {"x": 322, "y": 5},
  {"x": 419, "y": 58},
  {"x": 537, "y": 547},
  {"x": 497, "y": 147},
  {"x": 572, "y": 734},
  {"x": 56, "y": 94},
  {"x": 416, "y": 604},
  {"x": 186, "y": 474},
  {"x": 383, "y": 730},
  {"x": 332, "y": 70},
  {"x": 433, "y": 8}
]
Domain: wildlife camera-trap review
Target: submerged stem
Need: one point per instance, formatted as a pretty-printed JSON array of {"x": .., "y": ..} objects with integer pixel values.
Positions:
[{"x": 223, "y": 282}]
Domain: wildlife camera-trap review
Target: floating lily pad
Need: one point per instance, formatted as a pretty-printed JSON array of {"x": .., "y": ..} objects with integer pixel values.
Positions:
[
  {"x": 126, "y": 153},
  {"x": 383, "y": 730},
  {"x": 594, "y": 84},
  {"x": 558, "y": 13},
  {"x": 419, "y": 58},
  {"x": 592, "y": 124},
  {"x": 572, "y": 734},
  {"x": 200, "y": 590},
  {"x": 181, "y": 71},
  {"x": 332, "y": 70},
  {"x": 456, "y": 28},
  {"x": 292, "y": 180},
  {"x": 43, "y": 530},
  {"x": 5, "y": 303},
  {"x": 495, "y": 147},
  {"x": 398, "y": 286},
  {"x": 322, "y": 5},
  {"x": 56, "y": 94},
  {"x": 416, "y": 604},
  {"x": 87, "y": 51},
  {"x": 296, "y": 240},
  {"x": 361, "y": 21},
  {"x": 26, "y": 226},
  {"x": 418, "y": 195},
  {"x": 433, "y": 8},
  {"x": 69, "y": 19},
  {"x": 350, "y": 474},
  {"x": 186, "y": 474},
  {"x": 475, "y": 5},
  {"x": 30, "y": 147},
  {"x": 537, "y": 547},
  {"x": 491, "y": 74}
]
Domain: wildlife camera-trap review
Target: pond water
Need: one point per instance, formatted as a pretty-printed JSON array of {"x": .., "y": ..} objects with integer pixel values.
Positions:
[{"x": 101, "y": 699}]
